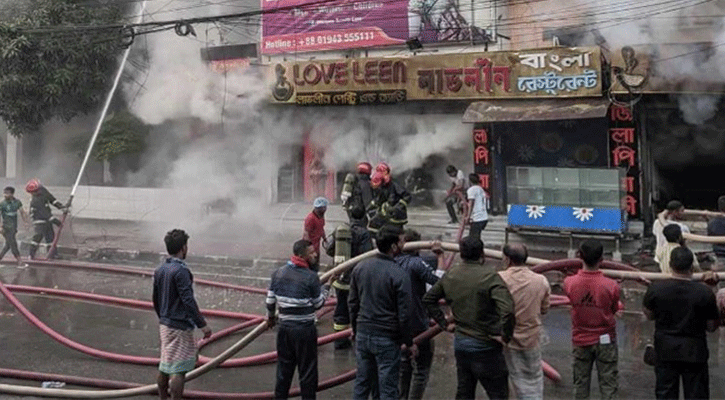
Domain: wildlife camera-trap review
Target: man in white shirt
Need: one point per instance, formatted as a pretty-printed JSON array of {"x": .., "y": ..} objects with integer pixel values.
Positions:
[
  {"x": 477, "y": 206},
  {"x": 673, "y": 212},
  {"x": 458, "y": 186}
]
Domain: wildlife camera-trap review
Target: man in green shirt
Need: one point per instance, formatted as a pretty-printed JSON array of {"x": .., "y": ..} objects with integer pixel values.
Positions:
[
  {"x": 9, "y": 208},
  {"x": 483, "y": 312}
]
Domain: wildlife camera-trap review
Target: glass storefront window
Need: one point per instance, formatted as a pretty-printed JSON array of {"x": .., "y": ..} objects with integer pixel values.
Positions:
[{"x": 576, "y": 187}]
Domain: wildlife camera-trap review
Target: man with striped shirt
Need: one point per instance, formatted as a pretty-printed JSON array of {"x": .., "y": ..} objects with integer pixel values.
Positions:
[{"x": 298, "y": 293}]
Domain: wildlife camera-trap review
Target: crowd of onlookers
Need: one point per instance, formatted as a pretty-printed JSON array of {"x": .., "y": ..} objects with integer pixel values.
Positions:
[{"x": 391, "y": 299}]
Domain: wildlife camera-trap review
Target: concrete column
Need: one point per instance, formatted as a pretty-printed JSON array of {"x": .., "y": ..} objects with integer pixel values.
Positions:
[{"x": 13, "y": 162}]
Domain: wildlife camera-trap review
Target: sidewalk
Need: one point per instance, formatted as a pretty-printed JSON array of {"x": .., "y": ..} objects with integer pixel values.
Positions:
[{"x": 220, "y": 239}]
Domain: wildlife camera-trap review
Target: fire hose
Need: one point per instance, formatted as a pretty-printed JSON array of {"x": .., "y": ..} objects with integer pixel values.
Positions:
[
  {"x": 461, "y": 228},
  {"x": 694, "y": 237},
  {"x": 239, "y": 345}
]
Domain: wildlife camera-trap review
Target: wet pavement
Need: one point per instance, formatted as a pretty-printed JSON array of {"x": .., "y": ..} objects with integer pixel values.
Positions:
[{"x": 134, "y": 332}]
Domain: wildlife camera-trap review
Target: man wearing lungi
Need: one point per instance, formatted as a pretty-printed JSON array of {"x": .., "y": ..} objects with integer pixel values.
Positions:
[{"x": 178, "y": 315}]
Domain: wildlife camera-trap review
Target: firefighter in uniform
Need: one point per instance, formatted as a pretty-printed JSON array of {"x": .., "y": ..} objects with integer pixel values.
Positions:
[
  {"x": 40, "y": 214},
  {"x": 349, "y": 240},
  {"x": 356, "y": 190},
  {"x": 390, "y": 200}
]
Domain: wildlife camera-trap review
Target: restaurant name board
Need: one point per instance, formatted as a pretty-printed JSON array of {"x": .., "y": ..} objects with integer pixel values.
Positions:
[{"x": 544, "y": 73}]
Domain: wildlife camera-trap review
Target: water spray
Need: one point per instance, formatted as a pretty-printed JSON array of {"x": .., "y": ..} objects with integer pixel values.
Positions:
[{"x": 104, "y": 111}]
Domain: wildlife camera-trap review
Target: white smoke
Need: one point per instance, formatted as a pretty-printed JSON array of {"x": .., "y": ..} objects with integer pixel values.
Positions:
[{"x": 697, "y": 109}]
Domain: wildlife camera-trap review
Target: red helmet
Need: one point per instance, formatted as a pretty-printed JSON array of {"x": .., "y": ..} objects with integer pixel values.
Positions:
[
  {"x": 376, "y": 180},
  {"x": 32, "y": 186},
  {"x": 383, "y": 168},
  {"x": 364, "y": 168}
]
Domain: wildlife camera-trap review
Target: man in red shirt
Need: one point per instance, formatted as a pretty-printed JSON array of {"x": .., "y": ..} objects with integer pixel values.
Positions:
[
  {"x": 594, "y": 302},
  {"x": 315, "y": 228}
]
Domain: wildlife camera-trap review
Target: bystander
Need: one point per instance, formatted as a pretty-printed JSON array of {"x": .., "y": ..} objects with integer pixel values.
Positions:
[
  {"x": 530, "y": 292},
  {"x": 594, "y": 301},
  {"x": 683, "y": 311},
  {"x": 173, "y": 298},
  {"x": 716, "y": 227},
  {"x": 455, "y": 193},
  {"x": 483, "y": 313},
  {"x": 296, "y": 290},
  {"x": 314, "y": 230},
  {"x": 477, "y": 206},
  {"x": 673, "y": 235},
  {"x": 416, "y": 370},
  {"x": 670, "y": 215},
  {"x": 380, "y": 313}
]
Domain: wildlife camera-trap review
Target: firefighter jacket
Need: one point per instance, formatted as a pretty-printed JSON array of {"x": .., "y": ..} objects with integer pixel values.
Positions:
[
  {"x": 357, "y": 191},
  {"x": 392, "y": 202},
  {"x": 360, "y": 242},
  {"x": 40, "y": 205}
]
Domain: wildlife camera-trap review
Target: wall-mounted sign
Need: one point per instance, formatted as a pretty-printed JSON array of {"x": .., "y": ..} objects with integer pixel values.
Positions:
[
  {"x": 623, "y": 152},
  {"x": 543, "y": 73}
]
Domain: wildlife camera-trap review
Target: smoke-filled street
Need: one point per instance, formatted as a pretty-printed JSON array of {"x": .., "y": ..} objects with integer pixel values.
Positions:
[{"x": 387, "y": 199}]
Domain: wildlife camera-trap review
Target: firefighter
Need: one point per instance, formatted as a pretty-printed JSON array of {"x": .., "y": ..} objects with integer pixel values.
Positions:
[
  {"x": 390, "y": 200},
  {"x": 356, "y": 190},
  {"x": 40, "y": 214},
  {"x": 349, "y": 240}
]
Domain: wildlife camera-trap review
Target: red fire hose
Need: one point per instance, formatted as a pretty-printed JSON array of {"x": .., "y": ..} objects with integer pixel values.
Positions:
[{"x": 550, "y": 372}]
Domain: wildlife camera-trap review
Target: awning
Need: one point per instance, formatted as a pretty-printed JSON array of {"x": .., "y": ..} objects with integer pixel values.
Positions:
[{"x": 535, "y": 110}]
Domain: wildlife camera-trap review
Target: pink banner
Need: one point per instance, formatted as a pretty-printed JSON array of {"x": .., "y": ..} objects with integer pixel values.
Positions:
[{"x": 313, "y": 25}]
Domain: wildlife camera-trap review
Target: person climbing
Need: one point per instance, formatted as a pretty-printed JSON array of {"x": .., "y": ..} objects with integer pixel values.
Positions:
[
  {"x": 40, "y": 214},
  {"x": 356, "y": 190}
]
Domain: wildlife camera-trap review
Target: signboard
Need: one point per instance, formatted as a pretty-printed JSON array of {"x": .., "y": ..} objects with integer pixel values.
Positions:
[
  {"x": 310, "y": 25},
  {"x": 482, "y": 155},
  {"x": 623, "y": 152},
  {"x": 292, "y": 26},
  {"x": 540, "y": 73}
]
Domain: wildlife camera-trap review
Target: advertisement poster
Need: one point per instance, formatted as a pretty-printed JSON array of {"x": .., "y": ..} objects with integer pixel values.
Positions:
[{"x": 292, "y": 26}]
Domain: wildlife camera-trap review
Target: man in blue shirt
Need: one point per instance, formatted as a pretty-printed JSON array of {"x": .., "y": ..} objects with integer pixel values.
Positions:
[
  {"x": 296, "y": 289},
  {"x": 178, "y": 315}
]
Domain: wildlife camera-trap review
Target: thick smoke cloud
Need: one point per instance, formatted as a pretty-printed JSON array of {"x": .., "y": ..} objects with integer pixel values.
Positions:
[{"x": 217, "y": 141}]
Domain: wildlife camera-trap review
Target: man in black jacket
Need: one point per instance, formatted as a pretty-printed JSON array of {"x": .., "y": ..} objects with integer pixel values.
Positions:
[
  {"x": 380, "y": 312},
  {"x": 421, "y": 273}
]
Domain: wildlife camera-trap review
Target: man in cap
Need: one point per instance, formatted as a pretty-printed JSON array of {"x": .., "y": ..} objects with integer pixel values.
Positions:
[
  {"x": 315, "y": 228},
  {"x": 40, "y": 214}
]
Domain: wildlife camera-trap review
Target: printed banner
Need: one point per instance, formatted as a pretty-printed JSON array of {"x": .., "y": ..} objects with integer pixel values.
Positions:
[
  {"x": 623, "y": 152},
  {"x": 542, "y": 73},
  {"x": 293, "y": 26},
  {"x": 309, "y": 25}
]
